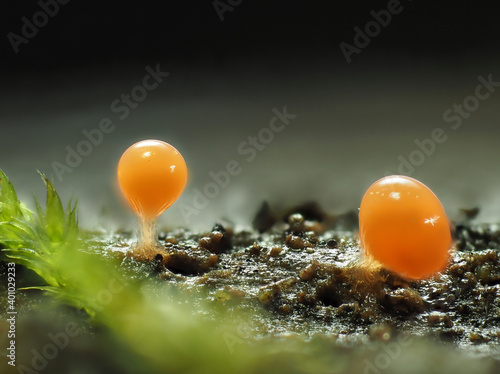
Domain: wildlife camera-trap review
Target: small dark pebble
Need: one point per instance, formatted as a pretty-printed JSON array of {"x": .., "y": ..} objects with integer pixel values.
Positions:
[
  {"x": 308, "y": 273},
  {"x": 170, "y": 240},
  {"x": 440, "y": 319},
  {"x": 332, "y": 243},
  {"x": 476, "y": 338},
  {"x": 285, "y": 309},
  {"x": 296, "y": 242},
  {"x": 275, "y": 251},
  {"x": 306, "y": 299},
  {"x": 311, "y": 211},
  {"x": 186, "y": 261},
  {"x": 264, "y": 219},
  {"x": 255, "y": 250},
  {"x": 349, "y": 310},
  {"x": 470, "y": 213},
  {"x": 218, "y": 241},
  {"x": 269, "y": 294},
  {"x": 296, "y": 222},
  {"x": 157, "y": 263},
  {"x": 403, "y": 301},
  {"x": 219, "y": 227}
]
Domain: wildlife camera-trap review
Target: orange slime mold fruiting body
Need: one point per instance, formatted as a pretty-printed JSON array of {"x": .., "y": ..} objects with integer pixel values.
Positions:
[
  {"x": 403, "y": 226},
  {"x": 152, "y": 175}
]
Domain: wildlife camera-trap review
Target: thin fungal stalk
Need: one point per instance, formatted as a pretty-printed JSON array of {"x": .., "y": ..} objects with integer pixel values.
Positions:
[{"x": 147, "y": 246}]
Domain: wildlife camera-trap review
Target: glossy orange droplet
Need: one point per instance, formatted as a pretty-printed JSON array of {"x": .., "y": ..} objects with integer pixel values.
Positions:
[
  {"x": 403, "y": 226},
  {"x": 152, "y": 175}
]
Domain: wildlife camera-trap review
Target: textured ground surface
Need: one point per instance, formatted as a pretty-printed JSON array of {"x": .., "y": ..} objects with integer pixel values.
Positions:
[
  {"x": 298, "y": 276},
  {"x": 303, "y": 268}
]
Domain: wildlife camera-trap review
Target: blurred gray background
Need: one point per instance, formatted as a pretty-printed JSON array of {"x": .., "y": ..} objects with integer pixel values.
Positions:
[{"x": 354, "y": 121}]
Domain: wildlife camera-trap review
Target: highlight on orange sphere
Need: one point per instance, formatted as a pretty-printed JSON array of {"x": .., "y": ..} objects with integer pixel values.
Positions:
[
  {"x": 404, "y": 227},
  {"x": 152, "y": 174}
]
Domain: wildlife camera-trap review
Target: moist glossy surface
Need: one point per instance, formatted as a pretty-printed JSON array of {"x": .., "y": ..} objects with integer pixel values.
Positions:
[
  {"x": 152, "y": 175},
  {"x": 404, "y": 227}
]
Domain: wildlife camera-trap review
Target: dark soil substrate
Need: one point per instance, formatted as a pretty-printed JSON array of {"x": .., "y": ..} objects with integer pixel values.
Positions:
[{"x": 303, "y": 267}]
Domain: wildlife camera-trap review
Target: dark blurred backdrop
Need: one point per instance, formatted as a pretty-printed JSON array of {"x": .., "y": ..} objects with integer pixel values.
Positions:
[
  {"x": 84, "y": 33},
  {"x": 230, "y": 64}
]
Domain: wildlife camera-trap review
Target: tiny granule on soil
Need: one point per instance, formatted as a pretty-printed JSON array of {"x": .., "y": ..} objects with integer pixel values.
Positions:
[{"x": 305, "y": 269}]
